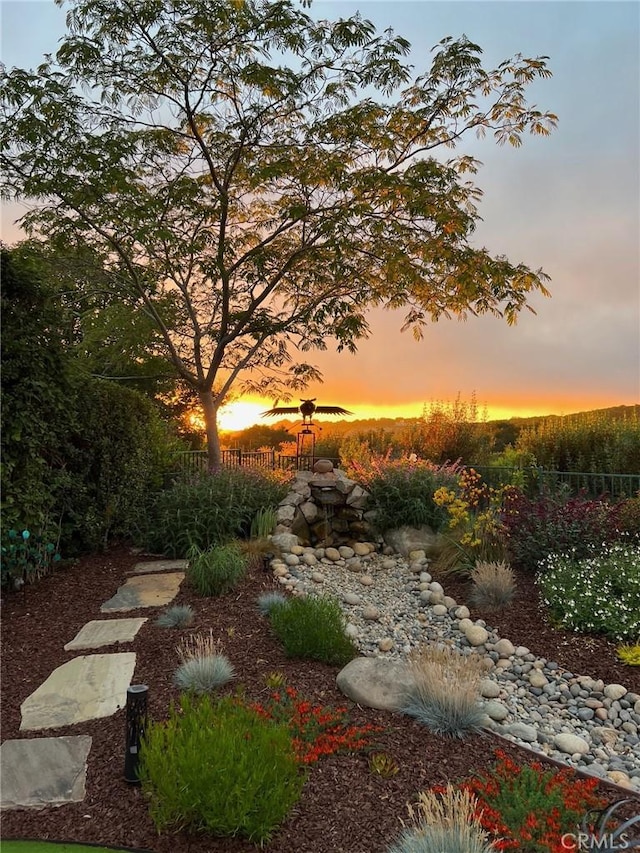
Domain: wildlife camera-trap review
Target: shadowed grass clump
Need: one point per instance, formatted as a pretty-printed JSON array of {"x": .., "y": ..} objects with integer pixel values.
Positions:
[
  {"x": 443, "y": 823},
  {"x": 493, "y": 587},
  {"x": 445, "y": 694},
  {"x": 312, "y": 628},
  {"x": 268, "y": 600},
  {"x": 176, "y": 616},
  {"x": 217, "y": 570}
]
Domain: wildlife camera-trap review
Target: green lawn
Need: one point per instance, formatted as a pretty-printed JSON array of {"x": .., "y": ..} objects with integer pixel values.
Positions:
[{"x": 51, "y": 847}]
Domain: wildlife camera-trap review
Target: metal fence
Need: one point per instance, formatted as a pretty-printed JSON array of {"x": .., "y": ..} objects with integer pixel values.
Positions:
[{"x": 532, "y": 480}]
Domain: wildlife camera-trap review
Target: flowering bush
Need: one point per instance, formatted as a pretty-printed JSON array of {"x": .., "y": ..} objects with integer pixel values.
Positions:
[
  {"x": 315, "y": 730},
  {"x": 476, "y": 529},
  {"x": 553, "y": 524},
  {"x": 528, "y": 808},
  {"x": 598, "y": 594},
  {"x": 402, "y": 490}
]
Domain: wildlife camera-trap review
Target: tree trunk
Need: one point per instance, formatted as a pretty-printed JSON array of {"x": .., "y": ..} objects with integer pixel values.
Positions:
[{"x": 210, "y": 412}]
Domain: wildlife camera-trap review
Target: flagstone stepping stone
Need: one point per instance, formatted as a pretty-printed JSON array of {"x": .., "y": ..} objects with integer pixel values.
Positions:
[
  {"x": 105, "y": 632},
  {"x": 160, "y": 566},
  {"x": 85, "y": 688},
  {"x": 40, "y": 772},
  {"x": 145, "y": 591}
]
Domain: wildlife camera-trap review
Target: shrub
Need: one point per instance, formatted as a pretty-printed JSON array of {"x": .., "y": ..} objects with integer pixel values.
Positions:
[
  {"x": 268, "y": 600},
  {"x": 212, "y": 509},
  {"x": 176, "y": 616},
  {"x": 216, "y": 571},
  {"x": 312, "y": 628},
  {"x": 493, "y": 585},
  {"x": 316, "y": 730},
  {"x": 529, "y": 808},
  {"x": 627, "y": 517},
  {"x": 553, "y": 524},
  {"x": 218, "y": 767},
  {"x": 444, "y": 822},
  {"x": 401, "y": 491},
  {"x": 474, "y": 527},
  {"x": 445, "y": 694},
  {"x": 598, "y": 594}
]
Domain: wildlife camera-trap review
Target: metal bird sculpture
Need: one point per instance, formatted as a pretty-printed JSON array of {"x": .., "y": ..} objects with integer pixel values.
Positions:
[{"x": 307, "y": 409}]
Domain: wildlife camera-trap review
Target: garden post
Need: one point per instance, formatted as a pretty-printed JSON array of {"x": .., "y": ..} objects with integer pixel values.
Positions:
[{"x": 137, "y": 695}]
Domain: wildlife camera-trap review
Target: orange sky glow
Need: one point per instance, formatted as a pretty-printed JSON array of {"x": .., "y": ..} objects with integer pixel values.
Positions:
[{"x": 246, "y": 412}]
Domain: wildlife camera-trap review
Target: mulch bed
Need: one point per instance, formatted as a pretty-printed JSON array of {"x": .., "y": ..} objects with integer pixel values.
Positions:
[{"x": 344, "y": 807}]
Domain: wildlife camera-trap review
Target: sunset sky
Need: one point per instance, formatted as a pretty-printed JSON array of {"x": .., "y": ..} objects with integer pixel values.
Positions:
[{"x": 569, "y": 204}]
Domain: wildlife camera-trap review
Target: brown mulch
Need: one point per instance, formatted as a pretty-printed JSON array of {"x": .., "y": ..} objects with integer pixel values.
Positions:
[{"x": 344, "y": 806}]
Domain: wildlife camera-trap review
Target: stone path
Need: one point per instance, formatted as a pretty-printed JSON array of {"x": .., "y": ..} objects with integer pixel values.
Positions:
[
  {"x": 105, "y": 632},
  {"x": 85, "y": 688},
  {"x": 51, "y": 771},
  {"x": 47, "y": 771},
  {"x": 145, "y": 590},
  {"x": 160, "y": 566}
]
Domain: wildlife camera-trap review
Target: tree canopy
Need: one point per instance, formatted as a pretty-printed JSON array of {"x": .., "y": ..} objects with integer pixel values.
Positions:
[{"x": 255, "y": 180}]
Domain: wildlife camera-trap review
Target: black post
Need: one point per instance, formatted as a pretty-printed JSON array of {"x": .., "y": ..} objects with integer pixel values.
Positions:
[{"x": 137, "y": 695}]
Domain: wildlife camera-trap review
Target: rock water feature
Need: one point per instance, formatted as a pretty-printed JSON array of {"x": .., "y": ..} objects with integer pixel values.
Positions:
[{"x": 324, "y": 507}]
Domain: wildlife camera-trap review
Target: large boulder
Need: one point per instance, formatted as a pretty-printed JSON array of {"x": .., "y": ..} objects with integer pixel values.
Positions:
[{"x": 376, "y": 682}]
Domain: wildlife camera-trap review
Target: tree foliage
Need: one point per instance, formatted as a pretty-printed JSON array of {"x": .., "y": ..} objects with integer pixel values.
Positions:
[
  {"x": 81, "y": 457},
  {"x": 255, "y": 180}
]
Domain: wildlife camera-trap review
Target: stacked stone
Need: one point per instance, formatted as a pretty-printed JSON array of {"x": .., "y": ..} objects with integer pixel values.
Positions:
[
  {"x": 302, "y": 514},
  {"x": 392, "y": 606}
]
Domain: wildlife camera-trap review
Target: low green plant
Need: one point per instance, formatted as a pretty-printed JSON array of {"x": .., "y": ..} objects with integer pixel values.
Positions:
[
  {"x": 443, "y": 821},
  {"x": 176, "y": 616},
  {"x": 275, "y": 679},
  {"x": 216, "y": 571},
  {"x": 493, "y": 585},
  {"x": 268, "y": 600},
  {"x": 312, "y": 628},
  {"x": 382, "y": 764},
  {"x": 629, "y": 654},
  {"x": 598, "y": 594},
  {"x": 445, "y": 692},
  {"x": 25, "y": 555},
  {"x": 218, "y": 767},
  {"x": 263, "y": 522}
]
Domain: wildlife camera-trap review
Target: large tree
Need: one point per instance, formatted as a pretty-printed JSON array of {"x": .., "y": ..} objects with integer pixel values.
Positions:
[{"x": 273, "y": 176}]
